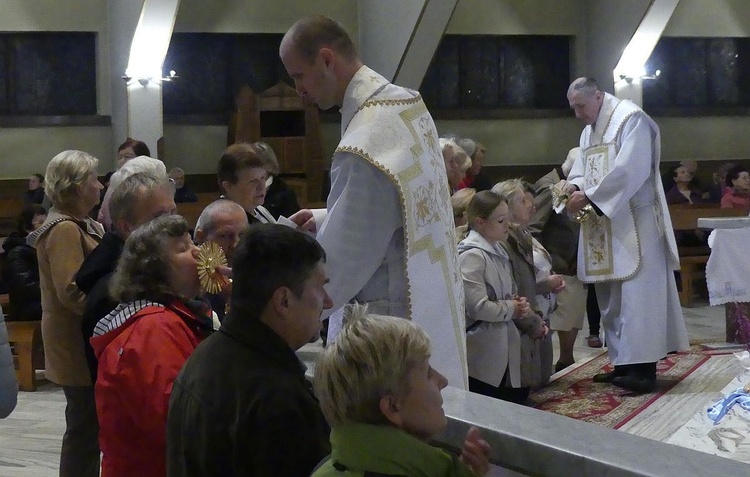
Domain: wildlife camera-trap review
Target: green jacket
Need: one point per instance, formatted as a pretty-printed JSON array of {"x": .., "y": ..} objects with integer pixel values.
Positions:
[{"x": 365, "y": 450}]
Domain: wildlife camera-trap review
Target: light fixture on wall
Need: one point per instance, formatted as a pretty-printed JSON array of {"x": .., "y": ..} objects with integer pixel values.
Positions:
[
  {"x": 641, "y": 75},
  {"x": 145, "y": 80}
]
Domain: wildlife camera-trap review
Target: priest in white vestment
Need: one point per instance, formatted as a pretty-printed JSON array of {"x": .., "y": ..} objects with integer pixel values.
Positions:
[
  {"x": 626, "y": 248},
  {"x": 388, "y": 228}
]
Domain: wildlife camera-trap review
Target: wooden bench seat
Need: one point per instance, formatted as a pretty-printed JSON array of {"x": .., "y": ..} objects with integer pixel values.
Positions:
[
  {"x": 192, "y": 210},
  {"x": 25, "y": 338},
  {"x": 693, "y": 259}
]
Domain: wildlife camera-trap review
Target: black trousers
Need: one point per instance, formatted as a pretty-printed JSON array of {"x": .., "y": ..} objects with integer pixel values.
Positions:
[
  {"x": 79, "y": 456},
  {"x": 516, "y": 395},
  {"x": 593, "y": 313}
]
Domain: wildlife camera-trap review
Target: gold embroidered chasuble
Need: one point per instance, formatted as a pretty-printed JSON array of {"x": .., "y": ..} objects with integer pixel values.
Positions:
[
  {"x": 610, "y": 246},
  {"x": 394, "y": 132}
]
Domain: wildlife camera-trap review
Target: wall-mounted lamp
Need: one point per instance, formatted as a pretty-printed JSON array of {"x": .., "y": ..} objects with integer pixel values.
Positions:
[
  {"x": 144, "y": 81},
  {"x": 629, "y": 79}
]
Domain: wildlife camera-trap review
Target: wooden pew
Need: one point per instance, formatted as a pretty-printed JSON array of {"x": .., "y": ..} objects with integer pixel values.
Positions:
[
  {"x": 192, "y": 210},
  {"x": 25, "y": 338},
  {"x": 9, "y": 210},
  {"x": 693, "y": 259}
]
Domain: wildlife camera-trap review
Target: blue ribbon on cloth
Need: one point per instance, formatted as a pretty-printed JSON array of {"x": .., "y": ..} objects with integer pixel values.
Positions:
[{"x": 722, "y": 406}]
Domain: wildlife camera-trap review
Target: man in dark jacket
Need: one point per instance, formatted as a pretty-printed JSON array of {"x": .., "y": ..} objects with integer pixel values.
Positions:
[
  {"x": 241, "y": 405},
  {"x": 137, "y": 200}
]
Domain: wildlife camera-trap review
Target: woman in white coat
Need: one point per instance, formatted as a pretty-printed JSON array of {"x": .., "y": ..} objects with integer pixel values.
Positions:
[{"x": 493, "y": 343}]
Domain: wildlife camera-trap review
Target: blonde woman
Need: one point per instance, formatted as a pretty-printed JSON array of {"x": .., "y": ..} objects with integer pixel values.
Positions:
[
  {"x": 382, "y": 399},
  {"x": 457, "y": 162},
  {"x": 65, "y": 238},
  {"x": 536, "y": 350}
]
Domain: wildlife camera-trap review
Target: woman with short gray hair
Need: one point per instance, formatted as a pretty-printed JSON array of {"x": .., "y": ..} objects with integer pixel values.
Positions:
[{"x": 62, "y": 242}]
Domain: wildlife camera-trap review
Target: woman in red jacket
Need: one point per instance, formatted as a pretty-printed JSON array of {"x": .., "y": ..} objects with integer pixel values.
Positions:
[{"x": 143, "y": 343}]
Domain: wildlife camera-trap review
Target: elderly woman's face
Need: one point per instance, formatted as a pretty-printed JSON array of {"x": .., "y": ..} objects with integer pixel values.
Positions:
[
  {"x": 89, "y": 189},
  {"x": 453, "y": 168},
  {"x": 124, "y": 156},
  {"x": 183, "y": 260},
  {"x": 523, "y": 209},
  {"x": 421, "y": 410},
  {"x": 477, "y": 162},
  {"x": 250, "y": 189}
]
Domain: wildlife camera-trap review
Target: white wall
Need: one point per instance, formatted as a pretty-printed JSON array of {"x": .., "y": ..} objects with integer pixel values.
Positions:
[
  {"x": 25, "y": 151},
  {"x": 601, "y": 27},
  {"x": 722, "y": 18},
  {"x": 259, "y": 16}
]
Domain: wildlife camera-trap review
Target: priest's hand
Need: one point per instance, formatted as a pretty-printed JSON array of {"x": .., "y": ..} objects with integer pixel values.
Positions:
[
  {"x": 304, "y": 220},
  {"x": 577, "y": 201},
  {"x": 476, "y": 452},
  {"x": 566, "y": 187}
]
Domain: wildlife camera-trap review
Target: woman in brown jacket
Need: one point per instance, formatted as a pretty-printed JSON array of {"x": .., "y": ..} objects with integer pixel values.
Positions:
[{"x": 62, "y": 242}]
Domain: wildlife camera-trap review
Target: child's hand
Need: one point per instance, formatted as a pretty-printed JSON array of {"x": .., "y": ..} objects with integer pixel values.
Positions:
[{"x": 521, "y": 306}]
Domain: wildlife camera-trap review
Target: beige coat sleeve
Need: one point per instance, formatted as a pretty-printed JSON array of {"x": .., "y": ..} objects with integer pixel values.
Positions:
[
  {"x": 479, "y": 306},
  {"x": 64, "y": 246}
]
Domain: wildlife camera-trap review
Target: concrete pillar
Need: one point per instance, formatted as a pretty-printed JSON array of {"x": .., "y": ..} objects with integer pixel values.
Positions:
[
  {"x": 141, "y": 48},
  {"x": 398, "y": 38},
  {"x": 629, "y": 73}
]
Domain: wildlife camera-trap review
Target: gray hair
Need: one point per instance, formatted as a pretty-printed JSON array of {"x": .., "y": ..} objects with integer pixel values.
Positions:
[
  {"x": 585, "y": 86},
  {"x": 468, "y": 145},
  {"x": 133, "y": 166},
  {"x": 206, "y": 221},
  {"x": 143, "y": 271},
  {"x": 269, "y": 158},
  {"x": 462, "y": 158},
  {"x": 371, "y": 358},
  {"x": 512, "y": 190},
  {"x": 65, "y": 172},
  {"x": 124, "y": 199}
]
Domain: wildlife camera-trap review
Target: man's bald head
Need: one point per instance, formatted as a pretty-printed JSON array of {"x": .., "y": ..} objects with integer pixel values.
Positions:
[
  {"x": 308, "y": 35},
  {"x": 222, "y": 221}
]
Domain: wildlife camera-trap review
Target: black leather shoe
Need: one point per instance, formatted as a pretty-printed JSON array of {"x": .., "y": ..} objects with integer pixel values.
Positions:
[
  {"x": 635, "y": 383},
  {"x": 606, "y": 377},
  {"x": 559, "y": 366}
]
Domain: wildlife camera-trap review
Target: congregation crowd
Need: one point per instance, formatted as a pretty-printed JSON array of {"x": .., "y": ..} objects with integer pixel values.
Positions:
[{"x": 162, "y": 378}]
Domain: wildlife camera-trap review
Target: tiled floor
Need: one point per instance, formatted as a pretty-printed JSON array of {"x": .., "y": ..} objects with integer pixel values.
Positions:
[{"x": 30, "y": 437}]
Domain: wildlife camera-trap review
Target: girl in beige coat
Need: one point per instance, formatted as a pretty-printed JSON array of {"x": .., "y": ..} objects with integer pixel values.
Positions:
[{"x": 493, "y": 342}]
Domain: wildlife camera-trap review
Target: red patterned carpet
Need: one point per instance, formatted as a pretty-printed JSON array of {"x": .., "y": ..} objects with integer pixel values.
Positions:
[{"x": 575, "y": 394}]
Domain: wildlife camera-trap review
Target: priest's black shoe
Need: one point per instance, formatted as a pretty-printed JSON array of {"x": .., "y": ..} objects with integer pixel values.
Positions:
[
  {"x": 634, "y": 382},
  {"x": 607, "y": 377}
]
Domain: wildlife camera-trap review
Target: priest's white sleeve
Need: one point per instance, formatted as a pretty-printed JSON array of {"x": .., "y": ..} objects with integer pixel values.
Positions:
[{"x": 364, "y": 212}]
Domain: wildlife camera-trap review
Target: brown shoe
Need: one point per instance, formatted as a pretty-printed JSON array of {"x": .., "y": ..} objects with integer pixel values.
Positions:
[{"x": 594, "y": 341}]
